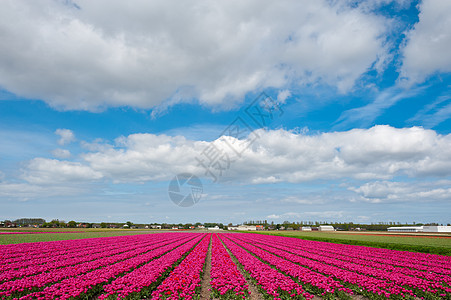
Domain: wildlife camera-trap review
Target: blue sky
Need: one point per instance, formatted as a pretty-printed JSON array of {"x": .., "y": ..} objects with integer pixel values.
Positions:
[{"x": 102, "y": 104}]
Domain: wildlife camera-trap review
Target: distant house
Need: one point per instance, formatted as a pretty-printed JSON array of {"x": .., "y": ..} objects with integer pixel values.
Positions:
[
  {"x": 155, "y": 226},
  {"x": 260, "y": 227},
  {"x": 96, "y": 226},
  {"x": 306, "y": 228},
  {"x": 214, "y": 228},
  {"x": 326, "y": 228}
]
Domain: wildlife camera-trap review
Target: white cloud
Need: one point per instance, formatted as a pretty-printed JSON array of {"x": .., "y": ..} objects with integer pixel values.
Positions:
[
  {"x": 66, "y": 136},
  {"x": 386, "y": 191},
  {"x": 144, "y": 157},
  {"x": 51, "y": 171},
  {"x": 162, "y": 51},
  {"x": 27, "y": 191},
  {"x": 427, "y": 45},
  {"x": 378, "y": 153},
  {"x": 282, "y": 96},
  {"x": 61, "y": 153}
]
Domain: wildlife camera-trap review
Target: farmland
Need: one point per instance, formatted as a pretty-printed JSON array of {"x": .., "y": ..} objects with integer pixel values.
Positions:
[
  {"x": 429, "y": 243},
  {"x": 193, "y": 265},
  {"x": 61, "y": 234}
]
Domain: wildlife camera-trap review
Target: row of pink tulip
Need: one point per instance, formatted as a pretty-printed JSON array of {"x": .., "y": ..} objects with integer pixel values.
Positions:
[
  {"x": 433, "y": 274},
  {"x": 376, "y": 281},
  {"x": 319, "y": 282},
  {"x": 423, "y": 261},
  {"x": 84, "y": 284},
  {"x": 226, "y": 280},
  {"x": 368, "y": 284},
  {"x": 271, "y": 282},
  {"x": 140, "y": 279},
  {"x": 49, "y": 263},
  {"x": 37, "y": 232},
  {"x": 15, "y": 252},
  {"x": 27, "y": 284},
  {"x": 185, "y": 280},
  {"x": 364, "y": 267}
]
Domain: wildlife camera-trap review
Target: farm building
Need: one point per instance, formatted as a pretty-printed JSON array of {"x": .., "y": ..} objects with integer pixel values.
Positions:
[
  {"x": 326, "y": 228},
  {"x": 437, "y": 228},
  {"x": 306, "y": 228},
  {"x": 420, "y": 229},
  {"x": 406, "y": 229},
  {"x": 243, "y": 227}
]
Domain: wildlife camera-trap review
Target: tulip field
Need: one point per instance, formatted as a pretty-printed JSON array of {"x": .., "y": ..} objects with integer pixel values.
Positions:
[{"x": 173, "y": 265}]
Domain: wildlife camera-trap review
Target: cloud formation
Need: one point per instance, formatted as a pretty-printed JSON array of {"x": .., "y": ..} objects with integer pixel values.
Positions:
[
  {"x": 427, "y": 45},
  {"x": 379, "y": 153},
  {"x": 66, "y": 136},
  {"x": 92, "y": 55},
  {"x": 386, "y": 191}
]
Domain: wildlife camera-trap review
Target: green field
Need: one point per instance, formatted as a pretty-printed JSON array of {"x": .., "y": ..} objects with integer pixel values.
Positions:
[
  {"x": 69, "y": 234},
  {"x": 418, "y": 243}
]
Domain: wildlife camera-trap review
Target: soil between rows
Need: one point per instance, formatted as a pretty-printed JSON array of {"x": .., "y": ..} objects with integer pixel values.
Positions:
[{"x": 205, "y": 284}]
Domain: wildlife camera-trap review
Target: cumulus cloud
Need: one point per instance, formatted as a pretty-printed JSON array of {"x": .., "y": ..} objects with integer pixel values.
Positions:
[
  {"x": 378, "y": 153},
  {"x": 427, "y": 45},
  {"x": 50, "y": 171},
  {"x": 61, "y": 153},
  {"x": 387, "y": 191},
  {"x": 106, "y": 53},
  {"x": 66, "y": 136},
  {"x": 26, "y": 191}
]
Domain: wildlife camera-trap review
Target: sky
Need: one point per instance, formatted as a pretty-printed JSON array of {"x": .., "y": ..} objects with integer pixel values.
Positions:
[{"x": 332, "y": 111}]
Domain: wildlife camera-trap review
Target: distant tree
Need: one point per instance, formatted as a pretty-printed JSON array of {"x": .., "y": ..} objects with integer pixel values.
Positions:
[
  {"x": 129, "y": 224},
  {"x": 103, "y": 225},
  {"x": 55, "y": 223},
  {"x": 72, "y": 224}
]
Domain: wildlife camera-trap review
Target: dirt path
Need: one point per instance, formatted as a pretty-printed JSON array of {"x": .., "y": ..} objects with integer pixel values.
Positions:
[
  {"x": 205, "y": 285},
  {"x": 255, "y": 293}
]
